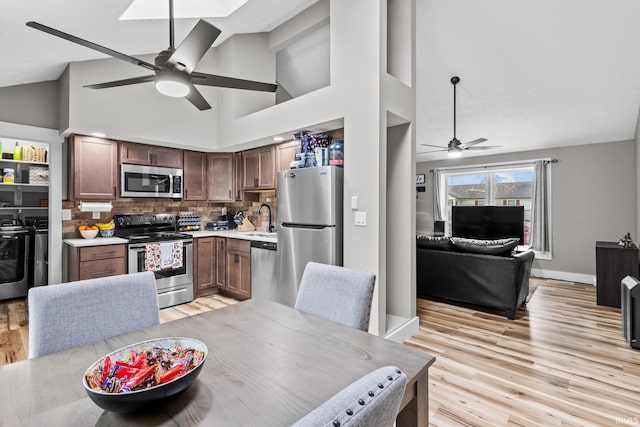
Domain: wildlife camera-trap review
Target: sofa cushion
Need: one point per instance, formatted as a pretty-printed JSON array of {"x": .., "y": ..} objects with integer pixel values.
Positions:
[
  {"x": 486, "y": 247},
  {"x": 442, "y": 243}
]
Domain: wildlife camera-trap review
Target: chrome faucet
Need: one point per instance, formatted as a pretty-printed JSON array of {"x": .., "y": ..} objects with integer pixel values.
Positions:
[{"x": 270, "y": 228}]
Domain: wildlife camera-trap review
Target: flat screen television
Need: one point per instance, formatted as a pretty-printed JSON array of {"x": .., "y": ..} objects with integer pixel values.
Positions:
[{"x": 488, "y": 222}]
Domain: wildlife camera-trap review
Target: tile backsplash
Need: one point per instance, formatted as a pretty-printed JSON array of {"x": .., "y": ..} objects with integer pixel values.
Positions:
[{"x": 208, "y": 211}]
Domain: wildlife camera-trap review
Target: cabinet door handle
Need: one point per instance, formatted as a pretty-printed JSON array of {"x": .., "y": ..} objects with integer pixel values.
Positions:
[
  {"x": 99, "y": 273},
  {"x": 236, "y": 258},
  {"x": 255, "y": 182},
  {"x": 229, "y": 194},
  {"x": 103, "y": 253}
]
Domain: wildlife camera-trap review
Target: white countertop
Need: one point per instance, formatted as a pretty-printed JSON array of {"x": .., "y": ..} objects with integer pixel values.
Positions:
[
  {"x": 96, "y": 241},
  {"x": 261, "y": 236}
]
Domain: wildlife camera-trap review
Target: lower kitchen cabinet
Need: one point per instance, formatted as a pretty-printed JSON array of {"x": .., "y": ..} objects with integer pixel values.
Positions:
[
  {"x": 96, "y": 261},
  {"x": 239, "y": 268},
  {"x": 210, "y": 271}
]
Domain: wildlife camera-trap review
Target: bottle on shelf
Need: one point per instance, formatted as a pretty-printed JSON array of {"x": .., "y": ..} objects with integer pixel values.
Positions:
[{"x": 16, "y": 152}]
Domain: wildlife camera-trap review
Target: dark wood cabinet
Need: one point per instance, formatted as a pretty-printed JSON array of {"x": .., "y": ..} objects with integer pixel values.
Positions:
[
  {"x": 285, "y": 154},
  {"x": 239, "y": 268},
  {"x": 93, "y": 168},
  {"x": 259, "y": 169},
  {"x": 221, "y": 263},
  {"x": 195, "y": 176},
  {"x": 613, "y": 263},
  {"x": 152, "y": 155},
  {"x": 95, "y": 261},
  {"x": 238, "y": 177},
  {"x": 220, "y": 177},
  {"x": 210, "y": 258}
]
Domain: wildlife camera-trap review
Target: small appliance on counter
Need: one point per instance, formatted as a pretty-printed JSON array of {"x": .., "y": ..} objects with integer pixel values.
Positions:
[{"x": 217, "y": 226}]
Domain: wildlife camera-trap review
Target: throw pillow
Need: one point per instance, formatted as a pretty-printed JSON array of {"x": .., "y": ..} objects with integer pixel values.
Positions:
[
  {"x": 487, "y": 247},
  {"x": 442, "y": 243}
]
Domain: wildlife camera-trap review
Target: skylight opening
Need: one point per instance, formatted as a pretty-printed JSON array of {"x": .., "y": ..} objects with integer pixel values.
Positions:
[{"x": 159, "y": 9}]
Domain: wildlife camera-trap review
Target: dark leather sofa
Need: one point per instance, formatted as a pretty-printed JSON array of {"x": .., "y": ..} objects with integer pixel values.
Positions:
[{"x": 496, "y": 281}]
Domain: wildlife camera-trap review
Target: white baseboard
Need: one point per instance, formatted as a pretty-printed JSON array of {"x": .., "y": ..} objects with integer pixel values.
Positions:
[
  {"x": 404, "y": 331},
  {"x": 564, "y": 275}
]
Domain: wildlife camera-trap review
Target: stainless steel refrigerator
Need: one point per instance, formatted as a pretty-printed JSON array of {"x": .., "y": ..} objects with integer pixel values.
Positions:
[{"x": 309, "y": 224}]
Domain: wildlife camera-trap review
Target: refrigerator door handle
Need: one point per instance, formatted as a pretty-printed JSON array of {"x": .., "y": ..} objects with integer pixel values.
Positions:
[{"x": 308, "y": 226}]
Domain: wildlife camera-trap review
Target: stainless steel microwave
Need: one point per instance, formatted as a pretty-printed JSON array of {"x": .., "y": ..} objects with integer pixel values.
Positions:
[{"x": 150, "y": 181}]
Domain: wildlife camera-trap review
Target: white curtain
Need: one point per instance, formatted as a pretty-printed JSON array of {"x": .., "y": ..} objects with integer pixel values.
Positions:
[
  {"x": 540, "y": 227},
  {"x": 438, "y": 207}
]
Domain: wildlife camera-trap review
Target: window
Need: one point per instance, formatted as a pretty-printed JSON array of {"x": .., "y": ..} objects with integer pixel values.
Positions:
[{"x": 506, "y": 185}]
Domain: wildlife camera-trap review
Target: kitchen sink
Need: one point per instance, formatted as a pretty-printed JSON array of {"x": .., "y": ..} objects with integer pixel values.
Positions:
[{"x": 262, "y": 234}]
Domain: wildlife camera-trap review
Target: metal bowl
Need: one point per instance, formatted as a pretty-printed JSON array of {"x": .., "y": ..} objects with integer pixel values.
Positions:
[{"x": 130, "y": 401}]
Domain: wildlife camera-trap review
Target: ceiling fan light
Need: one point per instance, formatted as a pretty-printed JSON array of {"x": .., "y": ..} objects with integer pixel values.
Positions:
[
  {"x": 454, "y": 153},
  {"x": 174, "y": 85}
]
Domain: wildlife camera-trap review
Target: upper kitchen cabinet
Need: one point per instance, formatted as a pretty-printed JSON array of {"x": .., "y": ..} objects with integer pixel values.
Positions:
[
  {"x": 151, "y": 155},
  {"x": 285, "y": 154},
  {"x": 238, "y": 177},
  {"x": 220, "y": 177},
  {"x": 93, "y": 168},
  {"x": 195, "y": 176},
  {"x": 259, "y": 169}
]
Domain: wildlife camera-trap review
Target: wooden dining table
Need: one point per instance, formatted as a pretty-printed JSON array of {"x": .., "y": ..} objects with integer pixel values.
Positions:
[{"x": 267, "y": 365}]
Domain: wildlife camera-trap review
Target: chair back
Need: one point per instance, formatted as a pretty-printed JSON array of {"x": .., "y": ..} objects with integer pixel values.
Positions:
[
  {"x": 76, "y": 313},
  {"x": 335, "y": 293},
  {"x": 371, "y": 401}
]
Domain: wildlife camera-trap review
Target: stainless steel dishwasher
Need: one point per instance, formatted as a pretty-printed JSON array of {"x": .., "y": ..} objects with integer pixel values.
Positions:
[{"x": 264, "y": 270}]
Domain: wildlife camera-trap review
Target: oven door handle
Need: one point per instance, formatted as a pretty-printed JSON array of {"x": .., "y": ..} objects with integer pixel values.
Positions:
[{"x": 138, "y": 247}]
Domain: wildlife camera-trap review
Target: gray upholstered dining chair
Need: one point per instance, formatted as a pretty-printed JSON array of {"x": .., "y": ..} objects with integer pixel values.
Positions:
[
  {"x": 337, "y": 293},
  {"x": 371, "y": 401},
  {"x": 76, "y": 313}
]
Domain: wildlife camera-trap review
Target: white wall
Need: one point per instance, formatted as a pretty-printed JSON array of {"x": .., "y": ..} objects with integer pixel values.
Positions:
[
  {"x": 33, "y": 104},
  {"x": 593, "y": 198},
  {"x": 138, "y": 112}
]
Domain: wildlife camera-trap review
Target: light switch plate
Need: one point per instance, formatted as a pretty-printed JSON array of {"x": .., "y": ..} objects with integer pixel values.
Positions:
[
  {"x": 354, "y": 202},
  {"x": 361, "y": 219},
  {"x": 66, "y": 214}
]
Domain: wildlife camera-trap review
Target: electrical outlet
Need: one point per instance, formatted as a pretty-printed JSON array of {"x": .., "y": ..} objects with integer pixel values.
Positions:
[
  {"x": 361, "y": 219},
  {"x": 66, "y": 214}
]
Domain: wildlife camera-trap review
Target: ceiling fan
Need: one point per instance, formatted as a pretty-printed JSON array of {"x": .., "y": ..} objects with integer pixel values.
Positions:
[
  {"x": 455, "y": 147},
  {"x": 173, "y": 70}
]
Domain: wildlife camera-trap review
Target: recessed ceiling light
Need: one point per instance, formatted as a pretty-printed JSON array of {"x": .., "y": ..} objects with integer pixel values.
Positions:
[
  {"x": 159, "y": 9},
  {"x": 278, "y": 138}
]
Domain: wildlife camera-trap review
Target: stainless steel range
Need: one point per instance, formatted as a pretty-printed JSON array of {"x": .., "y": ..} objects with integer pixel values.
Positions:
[{"x": 154, "y": 245}]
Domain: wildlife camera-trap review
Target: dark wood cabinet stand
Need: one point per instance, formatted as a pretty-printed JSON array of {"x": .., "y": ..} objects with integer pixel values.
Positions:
[{"x": 613, "y": 263}]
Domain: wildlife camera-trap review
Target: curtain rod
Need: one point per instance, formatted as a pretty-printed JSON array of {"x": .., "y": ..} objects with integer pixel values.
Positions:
[{"x": 490, "y": 165}]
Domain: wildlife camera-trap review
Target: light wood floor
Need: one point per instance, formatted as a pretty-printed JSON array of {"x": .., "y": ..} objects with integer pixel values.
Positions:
[{"x": 562, "y": 362}]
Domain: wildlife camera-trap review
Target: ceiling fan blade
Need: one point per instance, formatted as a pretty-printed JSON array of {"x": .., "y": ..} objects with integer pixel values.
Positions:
[
  {"x": 432, "y": 151},
  {"x": 437, "y": 146},
  {"x": 124, "y": 82},
  {"x": 486, "y": 147},
  {"x": 94, "y": 46},
  {"x": 230, "y": 82},
  {"x": 193, "y": 47},
  {"x": 196, "y": 98},
  {"x": 474, "y": 142}
]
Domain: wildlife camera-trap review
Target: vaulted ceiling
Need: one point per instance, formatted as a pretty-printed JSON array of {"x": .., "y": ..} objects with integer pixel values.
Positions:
[{"x": 534, "y": 74}]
